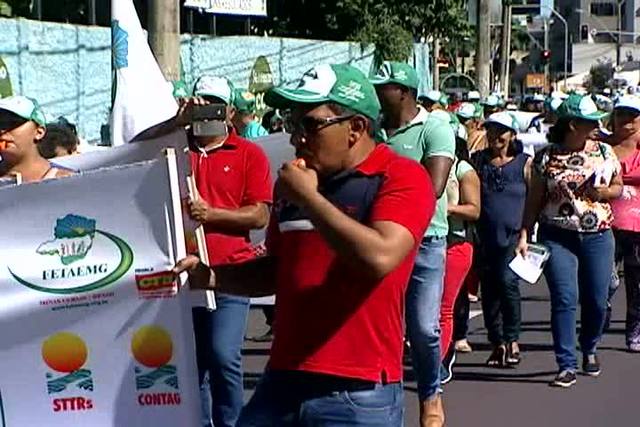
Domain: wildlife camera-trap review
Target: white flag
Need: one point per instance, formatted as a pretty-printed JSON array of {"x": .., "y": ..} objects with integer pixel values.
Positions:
[{"x": 143, "y": 97}]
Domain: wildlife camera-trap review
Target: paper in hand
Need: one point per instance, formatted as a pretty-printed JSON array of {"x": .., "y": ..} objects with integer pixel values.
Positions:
[{"x": 529, "y": 268}]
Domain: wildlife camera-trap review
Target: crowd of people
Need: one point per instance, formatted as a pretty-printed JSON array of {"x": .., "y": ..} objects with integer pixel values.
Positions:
[{"x": 395, "y": 211}]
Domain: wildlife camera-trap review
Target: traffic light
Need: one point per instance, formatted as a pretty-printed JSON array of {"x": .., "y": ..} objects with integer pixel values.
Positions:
[{"x": 545, "y": 56}]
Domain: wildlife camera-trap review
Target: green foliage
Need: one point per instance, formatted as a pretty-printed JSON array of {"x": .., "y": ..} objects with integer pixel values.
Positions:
[
  {"x": 599, "y": 76},
  {"x": 392, "y": 25},
  {"x": 391, "y": 40}
]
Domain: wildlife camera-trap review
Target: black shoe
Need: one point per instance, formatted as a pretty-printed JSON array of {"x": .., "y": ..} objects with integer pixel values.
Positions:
[
  {"x": 446, "y": 372},
  {"x": 591, "y": 365},
  {"x": 498, "y": 357},
  {"x": 564, "y": 379}
]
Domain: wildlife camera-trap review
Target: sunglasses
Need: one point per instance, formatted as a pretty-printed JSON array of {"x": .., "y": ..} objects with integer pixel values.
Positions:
[
  {"x": 10, "y": 122},
  {"x": 308, "y": 125}
]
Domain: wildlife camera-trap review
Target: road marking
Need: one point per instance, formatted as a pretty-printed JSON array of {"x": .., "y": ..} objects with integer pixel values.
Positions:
[{"x": 474, "y": 313}]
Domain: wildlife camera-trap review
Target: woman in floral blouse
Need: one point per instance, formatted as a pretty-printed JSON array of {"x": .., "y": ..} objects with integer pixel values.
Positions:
[{"x": 574, "y": 178}]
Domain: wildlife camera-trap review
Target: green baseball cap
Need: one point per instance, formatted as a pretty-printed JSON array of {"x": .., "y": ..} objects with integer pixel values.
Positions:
[
  {"x": 580, "y": 107},
  {"x": 340, "y": 83},
  {"x": 396, "y": 72},
  {"x": 27, "y": 108},
  {"x": 244, "y": 101},
  {"x": 218, "y": 87}
]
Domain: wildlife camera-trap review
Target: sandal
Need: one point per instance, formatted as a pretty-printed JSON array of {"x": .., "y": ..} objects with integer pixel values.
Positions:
[
  {"x": 513, "y": 354},
  {"x": 498, "y": 358}
]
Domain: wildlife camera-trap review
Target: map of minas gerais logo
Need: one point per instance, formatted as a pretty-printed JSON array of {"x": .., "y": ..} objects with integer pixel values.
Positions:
[
  {"x": 66, "y": 354},
  {"x": 74, "y": 237}
]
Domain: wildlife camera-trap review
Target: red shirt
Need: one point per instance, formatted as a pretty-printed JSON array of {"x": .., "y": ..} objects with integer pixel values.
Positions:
[
  {"x": 329, "y": 318},
  {"x": 230, "y": 177}
]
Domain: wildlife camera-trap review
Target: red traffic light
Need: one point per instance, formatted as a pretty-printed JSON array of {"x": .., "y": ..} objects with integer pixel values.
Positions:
[{"x": 545, "y": 56}]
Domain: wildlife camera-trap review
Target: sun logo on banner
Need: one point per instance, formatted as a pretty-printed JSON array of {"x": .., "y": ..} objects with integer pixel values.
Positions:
[
  {"x": 152, "y": 347},
  {"x": 66, "y": 354}
]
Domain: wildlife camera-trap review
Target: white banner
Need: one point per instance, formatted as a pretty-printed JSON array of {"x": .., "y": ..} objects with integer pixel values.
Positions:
[
  {"x": 239, "y": 7},
  {"x": 94, "y": 332},
  {"x": 143, "y": 97}
]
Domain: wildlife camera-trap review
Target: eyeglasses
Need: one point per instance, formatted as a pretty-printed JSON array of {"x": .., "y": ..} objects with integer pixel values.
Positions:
[
  {"x": 308, "y": 125},
  {"x": 9, "y": 123}
]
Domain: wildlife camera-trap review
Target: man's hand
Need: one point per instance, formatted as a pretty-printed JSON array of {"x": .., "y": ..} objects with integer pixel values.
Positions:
[
  {"x": 297, "y": 182},
  {"x": 200, "y": 275},
  {"x": 200, "y": 211},
  {"x": 185, "y": 111}
]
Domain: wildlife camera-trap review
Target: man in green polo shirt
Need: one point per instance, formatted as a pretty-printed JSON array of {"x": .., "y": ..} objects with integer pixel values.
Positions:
[
  {"x": 428, "y": 139},
  {"x": 244, "y": 121}
]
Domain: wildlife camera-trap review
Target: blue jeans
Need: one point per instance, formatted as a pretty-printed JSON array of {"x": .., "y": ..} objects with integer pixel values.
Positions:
[
  {"x": 219, "y": 336},
  {"x": 424, "y": 296},
  {"x": 287, "y": 398},
  {"x": 580, "y": 263}
]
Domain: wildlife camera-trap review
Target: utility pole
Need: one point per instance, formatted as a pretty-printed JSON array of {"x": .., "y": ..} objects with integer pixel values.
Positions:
[
  {"x": 483, "y": 54},
  {"x": 546, "y": 47},
  {"x": 505, "y": 48},
  {"x": 436, "y": 68},
  {"x": 164, "y": 36},
  {"x": 619, "y": 36}
]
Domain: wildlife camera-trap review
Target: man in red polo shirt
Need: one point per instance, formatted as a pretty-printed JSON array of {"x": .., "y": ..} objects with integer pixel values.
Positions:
[
  {"x": 233, "y": 179},
  {"x": 345, "y": 227}
]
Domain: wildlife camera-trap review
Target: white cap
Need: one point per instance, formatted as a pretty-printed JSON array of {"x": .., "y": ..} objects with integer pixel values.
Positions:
[
  {"x": 434, "y": 95},
  {"x": 214, "y": 86},
  {"x": 491, "y": 101},
  {"x": 630, "y": 102},
  {"x": 505, "y": 119},
  {"x": 473, "y": 95},
  {"x": 466, "y": 110}
]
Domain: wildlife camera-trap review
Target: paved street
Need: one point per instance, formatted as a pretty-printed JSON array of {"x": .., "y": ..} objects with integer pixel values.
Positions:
[{"x": 520, "y": 397}]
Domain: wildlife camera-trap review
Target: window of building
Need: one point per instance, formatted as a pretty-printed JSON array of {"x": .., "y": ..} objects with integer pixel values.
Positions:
[{"x": 603, "y": 9}]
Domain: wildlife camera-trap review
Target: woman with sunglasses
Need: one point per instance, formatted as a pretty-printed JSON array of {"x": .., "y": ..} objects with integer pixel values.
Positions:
[
  {"x": 574, "y": 178},
  {"x": 504, "y": 173},
  {"x": 22, "y": 127}
]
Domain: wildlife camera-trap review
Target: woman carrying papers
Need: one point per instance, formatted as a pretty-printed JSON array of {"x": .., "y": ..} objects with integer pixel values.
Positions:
[
  {"x": 573, "y": 180},
  {"x": 504, "y": 173}
]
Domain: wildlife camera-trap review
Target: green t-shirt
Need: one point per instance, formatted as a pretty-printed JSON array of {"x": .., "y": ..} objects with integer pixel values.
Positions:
[
  {"x": 456, "y": 225},
  {"x": 427, "y": 135},
  {"x": 254, "y": 130}
]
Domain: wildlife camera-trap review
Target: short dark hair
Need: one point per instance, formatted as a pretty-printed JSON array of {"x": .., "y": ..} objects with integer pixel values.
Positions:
[
  {"x": 58, "y": 135},
  {"x": 558, "y": 132},
  {"x": 344, "y": 111}
]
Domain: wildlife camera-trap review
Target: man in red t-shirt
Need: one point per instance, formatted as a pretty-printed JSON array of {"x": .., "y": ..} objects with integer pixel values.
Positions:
[
  {"x": 346, "y": 223},
  {"x": 234, "y": 183}
]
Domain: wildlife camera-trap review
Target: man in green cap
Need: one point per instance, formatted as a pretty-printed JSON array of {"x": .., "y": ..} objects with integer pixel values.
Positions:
[
  {"x": 244, "y": 120},
  {"x": 347, "y": 220},
  {"x": 428, "y": 139}
]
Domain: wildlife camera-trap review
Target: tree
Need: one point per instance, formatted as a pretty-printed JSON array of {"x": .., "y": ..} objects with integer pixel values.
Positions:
[{"x": 599, "y": 76}]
